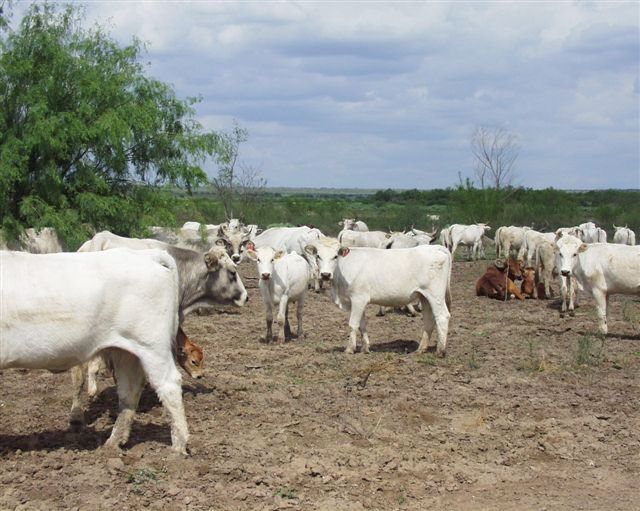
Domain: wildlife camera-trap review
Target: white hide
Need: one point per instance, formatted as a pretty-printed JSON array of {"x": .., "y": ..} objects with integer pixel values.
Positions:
[
  {"x": 468, "y": 235},
  {"x": 603, "y": 270},
  {"x": 390, "y": 278},
  {"x": 624, "y": 236},
  {"x": 508, "y": 239},
  {"x": 530, "y": 242},
  {"x": 351, "y": 224},
  {"x": 283, "y": 280},
  {"x": 371, "y": 239},
  {"x": 59, "y": 310}
]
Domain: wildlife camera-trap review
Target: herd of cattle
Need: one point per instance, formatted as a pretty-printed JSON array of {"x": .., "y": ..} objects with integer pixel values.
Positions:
[{"x": 120, "y": 302}]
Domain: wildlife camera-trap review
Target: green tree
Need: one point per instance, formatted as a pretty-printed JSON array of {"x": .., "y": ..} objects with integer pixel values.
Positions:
[{"x": 85, "y": 135}]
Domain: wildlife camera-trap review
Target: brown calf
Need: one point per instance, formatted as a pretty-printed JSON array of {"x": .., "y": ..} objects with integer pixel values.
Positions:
[
  {"x": 499, "y": 278},
  {"x": 190, "y": 355}
]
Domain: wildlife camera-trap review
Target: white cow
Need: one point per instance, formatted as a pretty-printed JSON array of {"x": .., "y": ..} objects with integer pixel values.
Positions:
[
  {"x": 508, "y": 239},
  {"x": 589, "y": 232},
  {"x": 351, "y": 224},
  {"x": 445, "y": 237},
  {"x": 469, "y": 236},
  {"x": 371, "y": 239},
  {"x": 391, "y": 278},
  {"x": 531, "y": 240},
  {"x": 283, "y": 280},
  {"x": 567, "y": 244},
  {"x": 545, "y": 257},
  {"x": 292, "y": 239},
  {"x": 602, "y": 269},
  {"x": 624, "y": 236},
  {"x": 59, "y": 310}
]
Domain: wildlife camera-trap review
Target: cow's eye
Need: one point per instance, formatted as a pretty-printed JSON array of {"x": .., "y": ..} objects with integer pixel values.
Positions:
[
  {"x": 194, "y": 362},
  {"x": 336, "y": 257}
]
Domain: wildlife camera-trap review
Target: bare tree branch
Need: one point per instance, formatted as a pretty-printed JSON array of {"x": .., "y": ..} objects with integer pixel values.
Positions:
[{"x": 495, "y": 151}]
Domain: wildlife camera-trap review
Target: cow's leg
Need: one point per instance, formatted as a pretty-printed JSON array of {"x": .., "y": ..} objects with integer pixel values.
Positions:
[
  {"x": 411, "y": 310},
  {"x": 269, "y": 319},
  {"x": 299, "y": 310},
  {"x": 381, "y": 311},
  {"x": 357, "y": 311},
  {"x": 365, "y": 335},
  {"x": 441, "y": 316},
  {"x": 93, "y": 368},
  {"x": 602, "y": 301},
  {"x": 428, "y": 324},
  {"x": 572, "y": 296},
  {"x": 130, "y": 378},
  {"x": 165, "y": 379},
  {"x": 76, "y": 417},
  {"x": 563, "y": 294},
  {"x": 283, "y": 318}
]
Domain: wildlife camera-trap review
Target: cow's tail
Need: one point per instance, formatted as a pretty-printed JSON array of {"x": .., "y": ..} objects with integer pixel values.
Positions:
[{"x": 496, "y": 240}]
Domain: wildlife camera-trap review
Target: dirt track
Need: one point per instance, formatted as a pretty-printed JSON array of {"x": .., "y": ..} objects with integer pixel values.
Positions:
[{"x": 528, "y": 411}]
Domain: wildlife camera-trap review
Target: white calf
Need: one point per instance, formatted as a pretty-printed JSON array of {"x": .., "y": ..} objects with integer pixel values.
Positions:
[{"x": 283, "y": 280}]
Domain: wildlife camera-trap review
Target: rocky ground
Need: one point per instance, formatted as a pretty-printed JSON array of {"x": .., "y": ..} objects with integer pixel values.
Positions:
[{"x": 527, "y": 411}]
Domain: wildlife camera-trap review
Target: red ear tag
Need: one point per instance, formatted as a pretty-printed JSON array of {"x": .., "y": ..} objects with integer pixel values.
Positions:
[
  {"x": 345, "y": 252},
  {"x": 251, "y": 246}
]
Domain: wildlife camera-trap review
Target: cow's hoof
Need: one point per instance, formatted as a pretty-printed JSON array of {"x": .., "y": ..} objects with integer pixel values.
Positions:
[
  {"x": 365, "y": 349},
  {"x": 562, "y": 314},
  {"x": 441, "y": 353},
  {"x": 572, "y": 313},
  {"x": 349, "y": 351}
]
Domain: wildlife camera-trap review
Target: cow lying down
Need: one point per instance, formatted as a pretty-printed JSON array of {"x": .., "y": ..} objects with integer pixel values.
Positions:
[
  {"x": 499, "y": 278},
  {"x": 59, "y": 310}
]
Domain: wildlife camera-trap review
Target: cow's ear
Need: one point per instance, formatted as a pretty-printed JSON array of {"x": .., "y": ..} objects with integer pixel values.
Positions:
[
  {"x": 388, "y": 235},
  {"x": 311, "y": 249},
  {"x": 500, "y": 264},
  {"x": 582, "y": 248},
  {"x": 278, "y": 254},
  {"x": 221, "y": 242},
  {"x": 211, "y": 260},
  {"x": 343, "y": 251}
]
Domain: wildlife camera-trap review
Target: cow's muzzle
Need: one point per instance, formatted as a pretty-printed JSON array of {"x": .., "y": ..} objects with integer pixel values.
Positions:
[
  {"x": 265, "y": 276},
  {"x": 235, "y": 258},
  {"x": 325, "y": 276},
  {"x": 565, "y": 273}
]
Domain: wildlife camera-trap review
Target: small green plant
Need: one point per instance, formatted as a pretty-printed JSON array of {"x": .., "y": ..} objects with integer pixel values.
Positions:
[
  {"x": 286, "y": 493},
  {"x": 473, "y": 359},
  {"x": 632, "y": 315},
  {"x": 534, "y": 361},
  {"x": 590, "y": 353},
  {"x": 428, "y": 359},
  {"x": 140, "y": 476}
]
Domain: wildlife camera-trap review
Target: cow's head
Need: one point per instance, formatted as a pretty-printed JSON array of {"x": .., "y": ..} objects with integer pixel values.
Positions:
[
  {"x": 234, "y": 242},
  {"x": 515, "y": 269},
  {"x": 567, "y": 249},
  {"x": 190, "y": 355},
  {"x": 223, "y": 283},
  {"x": 266, "y": 258},
  {"x": 326, "y": 251}
]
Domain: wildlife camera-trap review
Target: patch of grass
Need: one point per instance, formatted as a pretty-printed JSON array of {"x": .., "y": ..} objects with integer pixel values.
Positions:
[
  {"x": 286, "y": 493},
  {"x": 139, "y": 477},
  {"x": 473, "y": 360},
  {"x": 590, "y": 351},
  {"x": 631, "y": 315},
  {"x": 295, "y": 379},
  {"x": 428, "y": 359},
  {"x": 536, "y": 361}
]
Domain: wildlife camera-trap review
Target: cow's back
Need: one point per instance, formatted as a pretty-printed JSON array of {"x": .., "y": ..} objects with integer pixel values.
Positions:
[{"x": 616, "y": 267}]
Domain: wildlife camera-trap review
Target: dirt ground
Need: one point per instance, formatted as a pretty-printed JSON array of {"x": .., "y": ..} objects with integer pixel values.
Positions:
[{"x": 527, "y": 411}]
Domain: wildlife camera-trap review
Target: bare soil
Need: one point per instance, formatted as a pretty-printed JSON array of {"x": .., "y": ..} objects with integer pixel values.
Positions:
[{"x": 527, "y": 411}]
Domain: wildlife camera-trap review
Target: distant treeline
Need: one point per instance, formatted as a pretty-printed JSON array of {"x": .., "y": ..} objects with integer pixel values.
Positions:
[{"x": 397, "y": 210}]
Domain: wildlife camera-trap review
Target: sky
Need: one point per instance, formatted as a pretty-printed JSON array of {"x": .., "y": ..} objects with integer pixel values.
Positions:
[{"x": 387, "y": 94}]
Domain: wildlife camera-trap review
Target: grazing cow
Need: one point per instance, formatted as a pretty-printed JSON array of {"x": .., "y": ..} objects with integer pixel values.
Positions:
[
  {"x": 603, "y": 270},
  {"x": 574, "y": 231},
  {"x": 59, "y": 310},
  {"x": 468, "y": 235},
  {"x": 203, "y": 280},
  {"x": 445, "y": 238},
  {"x": 508, "y": 239},
  {"x": 351, "y": 224},
  {"x": 498, "y": 280},
  {"x": 545, "y": 264},
  {"x": 292, "y": 239},
  {"x": 283, "y": 280},
  {"x": 624, "y": 236},
  {"x": 393, "y": 278},
  {"x": 34, "y": 241},
  {"x": 402, "y": 240},
  {"x": 370, "y": 239}
]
